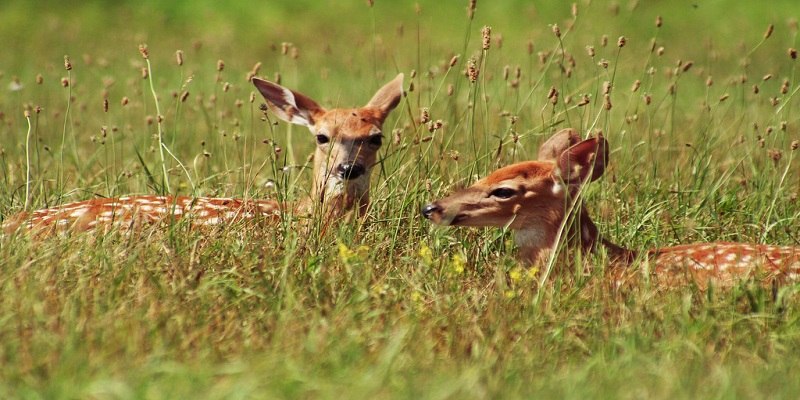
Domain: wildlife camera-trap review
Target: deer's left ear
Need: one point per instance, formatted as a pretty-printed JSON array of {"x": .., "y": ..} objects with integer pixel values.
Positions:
[
  {"x": 551, "y": 149},
  {"x": 388, "y": 97},
  {"x": 584, "y": 161}
]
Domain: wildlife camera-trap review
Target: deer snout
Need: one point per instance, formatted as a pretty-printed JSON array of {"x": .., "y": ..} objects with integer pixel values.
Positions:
[
  {"x": 350, "y": 171},
  {"x": 429, "y": 210}
]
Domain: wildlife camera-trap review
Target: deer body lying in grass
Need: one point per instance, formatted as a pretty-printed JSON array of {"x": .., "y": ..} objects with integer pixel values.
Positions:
[
  {"x": 534, "y": 199},
  {"x": 347, "y": 143}
]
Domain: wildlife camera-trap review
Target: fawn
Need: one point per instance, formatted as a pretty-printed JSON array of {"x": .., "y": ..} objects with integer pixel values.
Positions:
[
  {"x": 534, "y": 199},
  {"x": 347, "y": 143}
]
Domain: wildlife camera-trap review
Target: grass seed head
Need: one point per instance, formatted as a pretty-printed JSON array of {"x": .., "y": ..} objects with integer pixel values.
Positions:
[
  {"x": 486, "y": 33},
  {"x": 472, "y": 70},
  {"x": 424, "y": 115},
  {"x": 471, "y": 8},
  {"x": 621, "y": 42},
  {"x": 179, "y": 57},
  {"x": 144, "y": 51},
  {"x": 556, "y": 30},
  {"x": 792, "y": 53},
  {"x": 768, "y": 33},
  {"x": 775, "y": 155},
  {"x": 453, "y": 61},
  {"x": 67, "y": 64}
]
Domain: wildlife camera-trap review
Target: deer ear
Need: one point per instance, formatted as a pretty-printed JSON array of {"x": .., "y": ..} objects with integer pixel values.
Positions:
[
  {"x": 388, "y": 97},
  {"x": 551, "y": 149},
  {"x": 585, "y": 160},
  {"x": 290, "y": 106}
]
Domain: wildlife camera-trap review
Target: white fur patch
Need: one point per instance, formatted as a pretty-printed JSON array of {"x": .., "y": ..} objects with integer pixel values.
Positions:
[{"x": 79, "y": 212}]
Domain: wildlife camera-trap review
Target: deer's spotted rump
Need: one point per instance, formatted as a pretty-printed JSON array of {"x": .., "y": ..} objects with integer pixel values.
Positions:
[{"x": 725, "y": 263}]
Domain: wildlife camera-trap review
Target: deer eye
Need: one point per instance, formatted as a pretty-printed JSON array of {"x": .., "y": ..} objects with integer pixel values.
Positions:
[
  {"x": 376, "y": 140},
  {"x": 503, "y": 193},
  {"x": 322, "y": 139}
]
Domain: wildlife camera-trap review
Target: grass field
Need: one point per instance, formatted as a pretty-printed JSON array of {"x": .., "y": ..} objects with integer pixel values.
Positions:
[{"x": 700, "y": 112}]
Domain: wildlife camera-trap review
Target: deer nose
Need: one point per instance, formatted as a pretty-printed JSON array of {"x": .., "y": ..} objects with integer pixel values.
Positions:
[
  {"x": 429, "y": 210},
  {"x": 350, "y": 171}
]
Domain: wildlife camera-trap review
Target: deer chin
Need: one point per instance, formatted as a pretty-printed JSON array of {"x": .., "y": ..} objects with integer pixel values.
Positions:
[{"x": 346, "y": 194}]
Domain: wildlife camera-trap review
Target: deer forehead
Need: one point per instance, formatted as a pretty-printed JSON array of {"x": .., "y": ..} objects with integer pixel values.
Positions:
[
  {"x": 350, "y": 123},
  {"x": 524, "y": 173}
]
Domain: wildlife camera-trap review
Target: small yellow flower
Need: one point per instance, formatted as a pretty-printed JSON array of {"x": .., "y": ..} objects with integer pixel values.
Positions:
[
  {"x": 426, "y": 254},
  {"x": 531, "y": 274},
  {"x": 457, "y": 263},
  {"x": 347, "y": 255},
  {"x": 515, "y": 275},
  {"x": 510, "y": 294}
]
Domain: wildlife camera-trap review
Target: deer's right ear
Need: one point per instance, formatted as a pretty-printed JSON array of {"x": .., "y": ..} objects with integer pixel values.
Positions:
[
  {"x": 551, "y": 149},
  {"x": 288, "y": 105},
  {"x": 585, "y": 160}
]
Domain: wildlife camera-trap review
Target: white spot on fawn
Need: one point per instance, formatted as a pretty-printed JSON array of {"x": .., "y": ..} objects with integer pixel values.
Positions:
[
  {"x": 211, "y": 221},
  {"x": 79, "y": 212}
]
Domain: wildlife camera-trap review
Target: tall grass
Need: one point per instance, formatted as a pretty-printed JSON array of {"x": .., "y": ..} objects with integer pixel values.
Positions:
[{"x": 701, "y": 128}]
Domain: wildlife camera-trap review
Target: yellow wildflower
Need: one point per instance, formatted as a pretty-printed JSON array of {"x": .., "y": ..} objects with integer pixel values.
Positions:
[
  {"x": 457, "y": 263},
  {"x": 515, "y": 275},
  {"x": 426, "y": 254}
]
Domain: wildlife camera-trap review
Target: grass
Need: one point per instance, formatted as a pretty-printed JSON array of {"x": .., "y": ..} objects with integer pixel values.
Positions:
[{"x": 391, "y": 306}]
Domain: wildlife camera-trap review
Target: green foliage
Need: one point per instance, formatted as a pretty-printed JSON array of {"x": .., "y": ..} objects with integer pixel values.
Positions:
[{"x": 390, "y": 306}]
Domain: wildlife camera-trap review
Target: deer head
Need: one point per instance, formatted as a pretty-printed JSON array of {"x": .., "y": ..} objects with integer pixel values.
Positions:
[
  {"x": 530, "y": 197},
  {"x": 347, "y": 140}
]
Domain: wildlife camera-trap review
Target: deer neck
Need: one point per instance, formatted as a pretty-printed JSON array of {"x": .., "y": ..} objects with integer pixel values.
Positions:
[{"x": 537, "y": 241}]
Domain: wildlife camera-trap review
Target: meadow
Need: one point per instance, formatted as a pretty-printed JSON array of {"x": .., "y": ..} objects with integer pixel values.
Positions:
[{"x": 697, "y": 100}]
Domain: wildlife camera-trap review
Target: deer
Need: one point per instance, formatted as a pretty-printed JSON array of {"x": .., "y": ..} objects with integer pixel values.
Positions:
[
  {"x": 347, "y": 143},
  {"x": 540, "y": 202}
]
